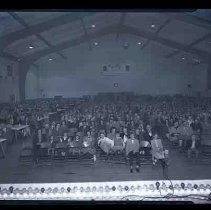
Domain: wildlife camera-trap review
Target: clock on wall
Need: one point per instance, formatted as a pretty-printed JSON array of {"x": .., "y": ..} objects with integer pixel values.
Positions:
[{"x": 116, "y": 85}]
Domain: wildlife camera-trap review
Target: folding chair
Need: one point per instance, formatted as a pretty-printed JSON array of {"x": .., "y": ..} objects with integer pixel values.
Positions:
[
  {"x": 60, "y": 151},
  {"x": 43, "y": 152}
]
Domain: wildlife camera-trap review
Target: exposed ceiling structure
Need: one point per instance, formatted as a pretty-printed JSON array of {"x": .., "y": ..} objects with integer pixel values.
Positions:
[{"x": 31, "y": 36}]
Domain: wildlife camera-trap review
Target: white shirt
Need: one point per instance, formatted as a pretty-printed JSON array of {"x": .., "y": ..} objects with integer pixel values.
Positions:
[{"x": 106, "y": 140}]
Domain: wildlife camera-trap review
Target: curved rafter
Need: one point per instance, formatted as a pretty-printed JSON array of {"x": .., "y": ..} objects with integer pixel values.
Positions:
[
  {"x": 124, "y": 30},
  {"x": 41, "y": 27},
  {"x": 38, "y": 28}
]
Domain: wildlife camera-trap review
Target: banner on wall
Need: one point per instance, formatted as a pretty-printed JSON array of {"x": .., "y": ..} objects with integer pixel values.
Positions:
[{"x": 115, "y": 69}]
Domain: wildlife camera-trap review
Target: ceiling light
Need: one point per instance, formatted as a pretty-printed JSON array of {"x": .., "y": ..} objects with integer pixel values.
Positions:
[
  {"x": 50, "y": 59},
  {"x": 183, "y": 58},
  {"x": 139, "y": 43},
  {"x": 126, "y": 45},
  {"x": 96, "y": 43},
  {"x": 197, "y": 61},
  {"x": 152, "y": 25},
  {"x": 31, "y": 47},
  {"x": 93, "y": 26}
]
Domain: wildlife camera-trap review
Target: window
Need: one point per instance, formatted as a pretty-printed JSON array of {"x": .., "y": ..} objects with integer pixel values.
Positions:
[
  {"x": 9, "y": 70},
  {"x": 127, "y": 67},
  {"x": 104, "y": 68}
]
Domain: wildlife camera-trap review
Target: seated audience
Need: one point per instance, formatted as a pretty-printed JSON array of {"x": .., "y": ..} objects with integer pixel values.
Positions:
[{"x": 102, "y": 114}]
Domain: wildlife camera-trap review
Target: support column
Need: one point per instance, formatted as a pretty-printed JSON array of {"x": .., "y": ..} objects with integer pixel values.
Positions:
[
  {"x": 209, "y": 76},
  {"x": 22, "y": 80},
  {"x": 38, "y": 82},
  {"x": 208, "y": 80}
]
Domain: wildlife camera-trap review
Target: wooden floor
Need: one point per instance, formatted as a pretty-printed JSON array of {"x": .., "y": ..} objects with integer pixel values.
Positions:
[{"x": 13, "y": 171}]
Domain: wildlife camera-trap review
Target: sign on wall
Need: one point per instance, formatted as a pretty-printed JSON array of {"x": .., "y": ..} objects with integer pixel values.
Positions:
[{"x": 115, "y": 69}]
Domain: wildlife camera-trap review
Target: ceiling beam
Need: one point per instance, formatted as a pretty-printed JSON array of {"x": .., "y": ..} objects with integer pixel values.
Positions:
[
  {"x": 124, "y": 30},
  {"x": 207, "y": 36},
  {"x": 191, "y": 19},
  {"x": 41, "y": 27},
  {"x": 86, "y": 33},
  {"x": 8, "y": 56},
  {"x": 14, "y": 58},
  {"x": 23, "y": 23},
  {"x": 50, "y": 46},
  {"x": 165, "y": 23},
  {"x": 35, "y": 65},
  {"x": 121, "y": 22}
]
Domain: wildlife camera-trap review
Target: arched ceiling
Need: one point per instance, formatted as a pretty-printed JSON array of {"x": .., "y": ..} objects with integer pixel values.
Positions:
[{"x": 30, "y": 36}]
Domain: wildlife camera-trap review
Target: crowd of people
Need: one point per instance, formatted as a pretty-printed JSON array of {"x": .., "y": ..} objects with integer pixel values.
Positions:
[{"x": 130, "y": 127}]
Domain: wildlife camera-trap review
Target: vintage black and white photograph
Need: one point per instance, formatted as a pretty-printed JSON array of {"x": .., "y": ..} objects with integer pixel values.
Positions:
[{"x": 105, "y": 97}]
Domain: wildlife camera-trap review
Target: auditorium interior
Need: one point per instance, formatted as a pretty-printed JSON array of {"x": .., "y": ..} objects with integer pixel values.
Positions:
[{"x": 105, "y": 96}]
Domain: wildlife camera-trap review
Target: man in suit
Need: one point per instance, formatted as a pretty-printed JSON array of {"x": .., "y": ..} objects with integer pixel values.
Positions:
[
  {"x": 148, "y": 136},
  {"x": 132, "y": 152}
]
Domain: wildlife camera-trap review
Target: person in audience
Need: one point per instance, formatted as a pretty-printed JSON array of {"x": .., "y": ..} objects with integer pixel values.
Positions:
[
  {"x": 64, "y": 139},
  {"x": 158, "y": 152},
  {"x": 101, "y": 127},
  {"x": 140, "y": 126},
  {"x": 89, "y": 145},
  {"x": 119, "y": 144},
  {"x": 132, "y": 152},
  {"x": 165, "y": 129},
  {"x": 186, "y": 132},
  {"x": 52, "y": 130},
  {"x": 88, "y": 140},
  {"x": 52, "y": 141},
  {"x": 39, "y": 135},
  {"x": 139, "y": 134},
  {"x": 77, "y": 142},
  {"x": 193, "y": 146},
  {"x": 148, "y": 134},
  {"x": 112, "y": 133},
  {"x": 83, "y": 128},
  {"x": 26, "y": 138},
  {"x": 174, "y": 133},
  {"x": 58, "y": 130},
  {"x": 190, "y": 120},
  {"x": 105, "y": 143},
  {"x": 64, "y": 128},
  {"x": 109, "y": 125},
  {"x": 45, "y": 133},
  {"x": 197, "y": 128},
  {"x": 124, "y": 135}
]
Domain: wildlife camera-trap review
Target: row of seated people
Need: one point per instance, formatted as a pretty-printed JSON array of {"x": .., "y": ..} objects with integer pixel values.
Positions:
[
  {"x": 115, "y": 142},
  {"x": 185, "y": 134}
]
